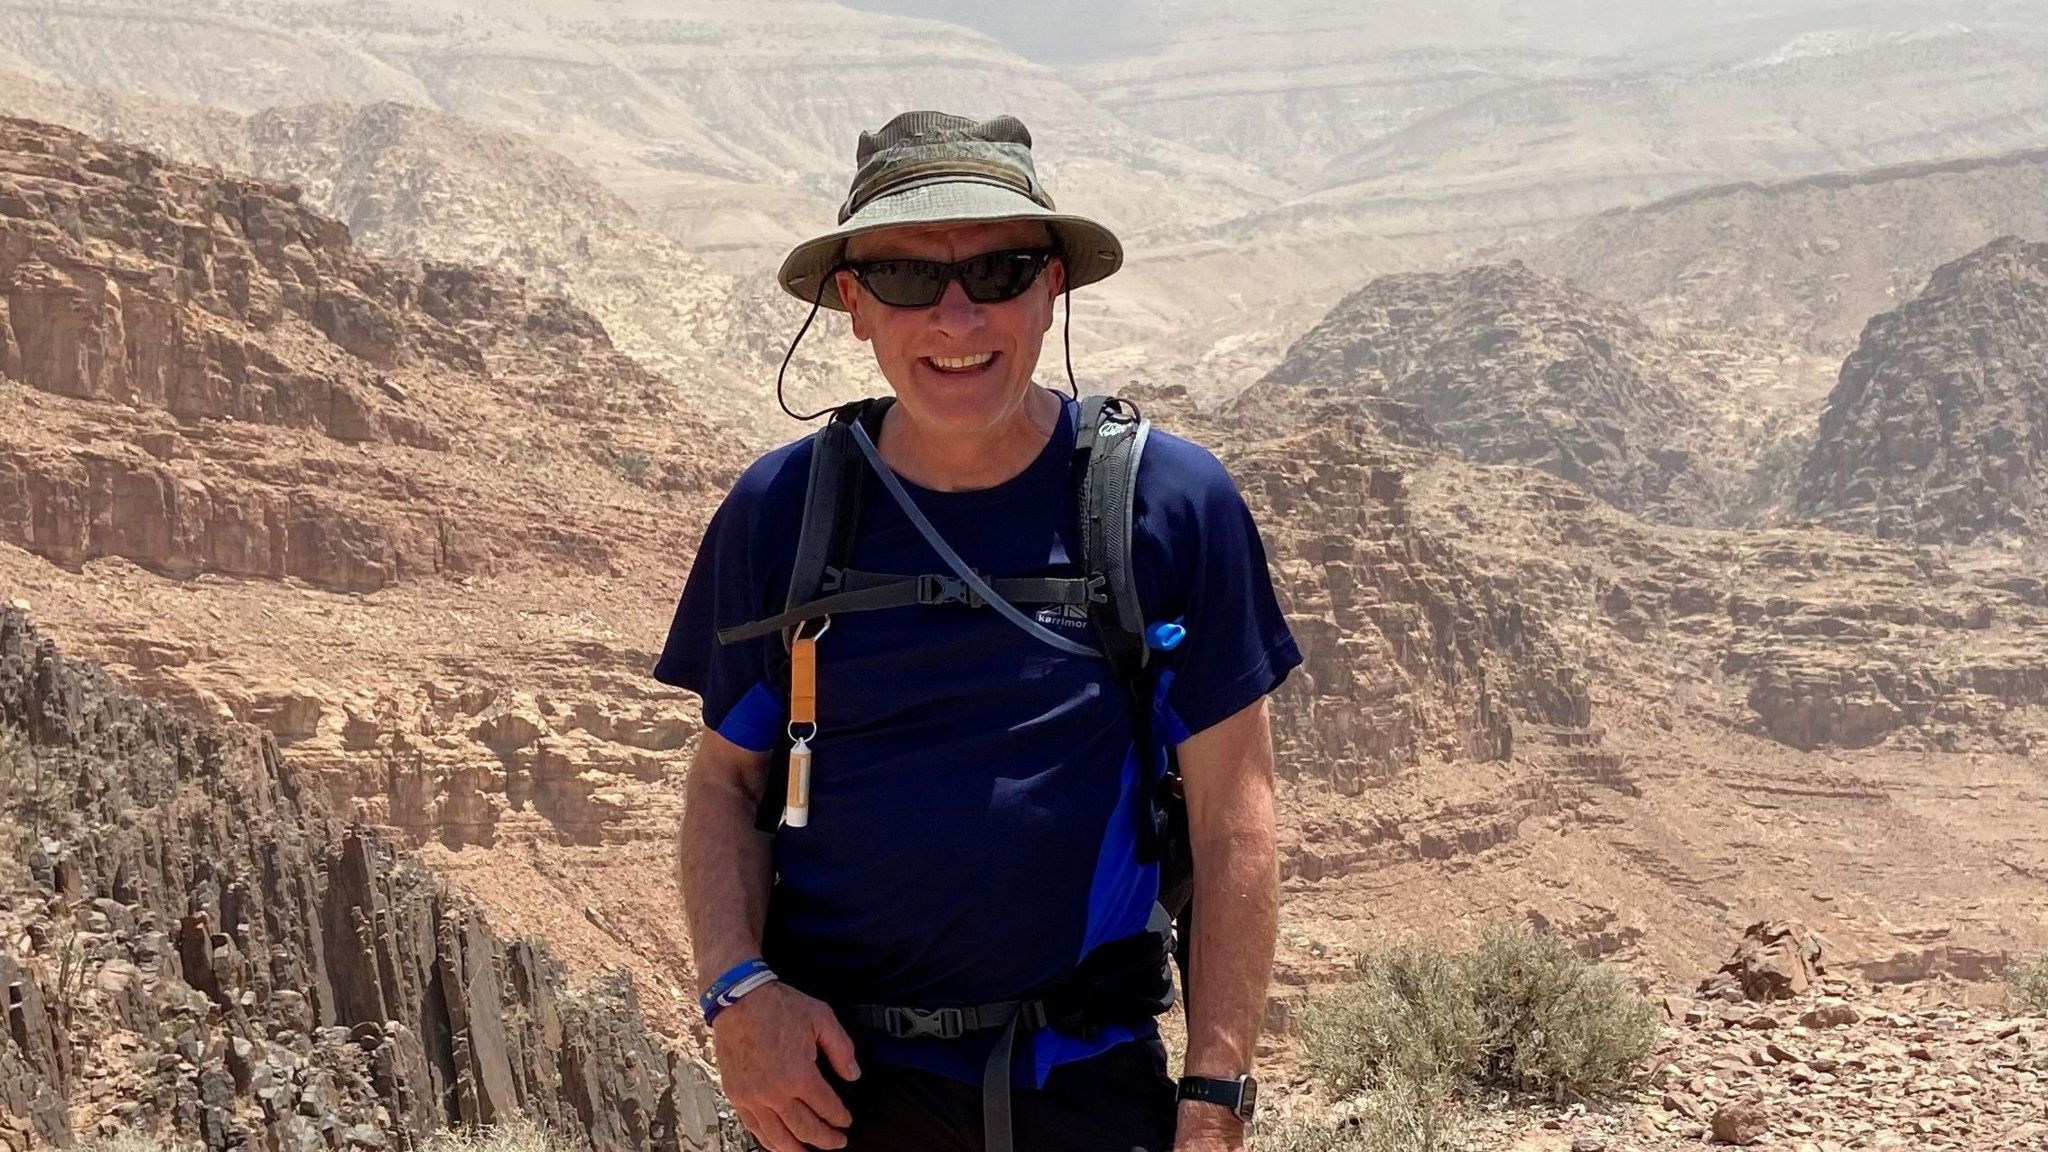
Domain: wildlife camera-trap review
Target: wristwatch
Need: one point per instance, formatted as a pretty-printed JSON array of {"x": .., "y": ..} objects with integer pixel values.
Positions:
[{"x": 1240, "y": 1095}]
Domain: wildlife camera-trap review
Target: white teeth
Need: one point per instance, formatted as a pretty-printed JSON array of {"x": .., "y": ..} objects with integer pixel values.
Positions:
[{"x": 958, "y": 362}]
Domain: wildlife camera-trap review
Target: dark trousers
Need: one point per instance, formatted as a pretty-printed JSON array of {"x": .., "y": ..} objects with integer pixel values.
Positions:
[{"x": 1120, "y": 1101}]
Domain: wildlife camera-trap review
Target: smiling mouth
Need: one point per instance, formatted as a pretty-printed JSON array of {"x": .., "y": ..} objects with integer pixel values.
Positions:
[{"x": 960, "y": 364}]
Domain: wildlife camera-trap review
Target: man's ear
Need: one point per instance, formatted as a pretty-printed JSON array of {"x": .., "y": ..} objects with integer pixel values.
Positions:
[{"x": 850, "y": 295}]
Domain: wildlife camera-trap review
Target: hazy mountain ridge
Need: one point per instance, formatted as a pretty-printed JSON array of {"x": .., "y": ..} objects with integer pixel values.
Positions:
[
  {"x": 729, "y": 126},
  {"x": 1804, "y": 261}
]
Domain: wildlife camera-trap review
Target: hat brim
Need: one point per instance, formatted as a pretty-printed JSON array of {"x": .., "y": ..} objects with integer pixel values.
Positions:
[{"x": 1089, "y": 251}]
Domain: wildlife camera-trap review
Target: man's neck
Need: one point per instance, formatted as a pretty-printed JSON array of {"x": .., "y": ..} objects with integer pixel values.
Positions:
[{"x": 953, "y": 463}]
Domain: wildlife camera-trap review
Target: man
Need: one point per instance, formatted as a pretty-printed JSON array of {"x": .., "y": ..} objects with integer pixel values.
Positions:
[{"x": 968, "y": 837}]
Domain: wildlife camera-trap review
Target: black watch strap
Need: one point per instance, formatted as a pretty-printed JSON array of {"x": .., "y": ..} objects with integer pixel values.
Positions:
[{"x": 1241, "y": 1095}]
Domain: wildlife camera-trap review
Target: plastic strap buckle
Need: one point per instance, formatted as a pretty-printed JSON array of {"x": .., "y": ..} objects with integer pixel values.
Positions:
[
  {"x": 933, "y": 588},
  {"x": 939, "y": 1023}
]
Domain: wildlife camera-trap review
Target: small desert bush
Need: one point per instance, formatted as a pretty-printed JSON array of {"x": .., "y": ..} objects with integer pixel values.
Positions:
[
  {"x": 1408, "y": 1023},
  {"x": 2029, "y": 983},
  {"x": 1520, "y": 1012},
  {"x": 1552, "y": 1022}
]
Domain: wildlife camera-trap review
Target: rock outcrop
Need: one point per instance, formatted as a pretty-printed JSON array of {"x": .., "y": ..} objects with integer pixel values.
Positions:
[
  {"x": 192, "y": 946},
  {"x": 1777, "y": 960},
  {"x": 1510, "y": 367},
  {"x": 1938, "y": 428},
  {"x": 1408, "y": 653}
]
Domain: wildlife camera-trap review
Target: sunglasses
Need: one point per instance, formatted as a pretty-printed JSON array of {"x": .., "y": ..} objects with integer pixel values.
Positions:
[{"x": 990, "y": 278}]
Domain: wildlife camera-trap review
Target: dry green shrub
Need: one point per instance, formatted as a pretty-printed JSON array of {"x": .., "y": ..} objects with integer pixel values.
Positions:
[
  {"x": 1552, "y": 1022},
  {"x": 1408, "y": 1023},
  {"x": 1520, "y": 1012},
  {"x": 2028, "y": 981}
]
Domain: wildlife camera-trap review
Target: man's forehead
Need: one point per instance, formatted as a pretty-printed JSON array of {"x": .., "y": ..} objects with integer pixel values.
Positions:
[{"x": 950, "y": 241}]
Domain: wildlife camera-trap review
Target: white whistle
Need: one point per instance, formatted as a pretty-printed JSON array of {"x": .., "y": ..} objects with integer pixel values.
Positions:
[{"x": 796, "y": 805}]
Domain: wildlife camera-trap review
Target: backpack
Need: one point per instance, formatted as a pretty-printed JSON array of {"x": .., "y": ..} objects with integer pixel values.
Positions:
[{"x": 1109, "y": 441}]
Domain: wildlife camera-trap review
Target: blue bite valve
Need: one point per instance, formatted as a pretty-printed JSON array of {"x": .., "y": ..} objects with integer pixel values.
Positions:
[{"x": 1164, "y": 636}]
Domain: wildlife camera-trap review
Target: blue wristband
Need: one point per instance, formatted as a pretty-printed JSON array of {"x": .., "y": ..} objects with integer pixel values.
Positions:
[{"x": 726, "y": 991}]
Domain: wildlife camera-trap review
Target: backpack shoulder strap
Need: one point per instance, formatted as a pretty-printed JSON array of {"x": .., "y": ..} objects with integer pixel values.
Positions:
[
  {"x": 1109, "y": 442},
  {"x": 824, "y": 545},
  {"x": 824, "y": 541}
]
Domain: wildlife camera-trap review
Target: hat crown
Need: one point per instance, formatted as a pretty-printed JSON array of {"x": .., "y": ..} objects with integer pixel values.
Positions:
[{"x": 924, "y": 147}]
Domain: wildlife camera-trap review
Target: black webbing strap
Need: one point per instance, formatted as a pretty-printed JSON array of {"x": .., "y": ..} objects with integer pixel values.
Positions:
[
  {"x": 871, "y": 591},
  {"x": 1014, "y": 1017},
  {"x": 825, "y": 541},
  {"x": 1118, "y": 982},
  {"x": 831, "y": 507}
]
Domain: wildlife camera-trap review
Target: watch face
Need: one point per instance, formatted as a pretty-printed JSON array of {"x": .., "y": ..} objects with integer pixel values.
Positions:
[{"x": 1247, "y": 1097}]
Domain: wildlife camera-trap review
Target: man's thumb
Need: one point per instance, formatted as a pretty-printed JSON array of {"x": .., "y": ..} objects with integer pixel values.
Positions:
[{"x": 838, "y": 1047}]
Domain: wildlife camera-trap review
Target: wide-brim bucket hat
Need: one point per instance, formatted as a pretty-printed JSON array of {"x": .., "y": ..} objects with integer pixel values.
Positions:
[{"x": 925, "y": 168}]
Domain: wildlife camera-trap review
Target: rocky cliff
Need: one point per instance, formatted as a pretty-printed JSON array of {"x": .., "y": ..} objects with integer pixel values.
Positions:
[
  {"x": 1507, "y": 366},
  {"x": 193, "y": 947},
  {"x": 1938, "y": 427},
  {"x": 278, "y": 481},
  {"x": 199, "y": 305}
]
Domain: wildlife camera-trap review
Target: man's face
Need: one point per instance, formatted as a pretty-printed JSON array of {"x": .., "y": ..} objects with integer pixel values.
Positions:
[{"x": 957, "y": 365}]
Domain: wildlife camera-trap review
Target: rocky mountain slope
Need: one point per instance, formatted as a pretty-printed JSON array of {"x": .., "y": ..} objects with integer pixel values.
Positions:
[
  {"x": 194, "y": 947},
  {"x": 1519, "y": 703},
  {"x": 319, "y": 492},
  {"x": 1804, "y": 262},
  {"x": 1938, "y": 428},
  {"x": 1508, "y": 366},
  {"x": 413, "y": 183},
  {"x": 687, "y": 104},
  {"x": 1780, "y": 1049}
]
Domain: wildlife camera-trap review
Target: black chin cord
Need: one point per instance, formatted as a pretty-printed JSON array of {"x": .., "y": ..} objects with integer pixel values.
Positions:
[
  {"x": 816, "y": 302},
  {"x": 1067, "y": 341}
]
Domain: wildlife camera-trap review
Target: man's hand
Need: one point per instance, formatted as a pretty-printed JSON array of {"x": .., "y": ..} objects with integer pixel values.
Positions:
[
  {"x": 767, "y": 1047},
  {"x": 1207, "y": 1128}
]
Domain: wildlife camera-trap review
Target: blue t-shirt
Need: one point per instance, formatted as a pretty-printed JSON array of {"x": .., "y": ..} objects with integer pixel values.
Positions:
[{"x": 973, "y": 799}]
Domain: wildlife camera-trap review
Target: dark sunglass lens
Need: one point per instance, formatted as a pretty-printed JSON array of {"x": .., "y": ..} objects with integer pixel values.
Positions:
[
  {"x": 997, "y": 276},
  {"x": 905, "y": 283}
]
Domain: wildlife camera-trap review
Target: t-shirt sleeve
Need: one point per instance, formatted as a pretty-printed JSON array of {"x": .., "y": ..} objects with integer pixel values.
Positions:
[
  {"x": 721, "y": 592},
  {"x": 1238, "y": 647}
]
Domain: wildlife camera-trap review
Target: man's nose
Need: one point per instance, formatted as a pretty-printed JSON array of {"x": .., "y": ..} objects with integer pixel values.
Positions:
[{"x": 954, "y": 311}]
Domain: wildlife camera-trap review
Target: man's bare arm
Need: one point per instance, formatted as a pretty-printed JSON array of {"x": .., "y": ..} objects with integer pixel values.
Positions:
[
  {"x": 723, "y": 864},
  {"x": 768, "y": 1043},
  {"x": 1228, "y": 770}
]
